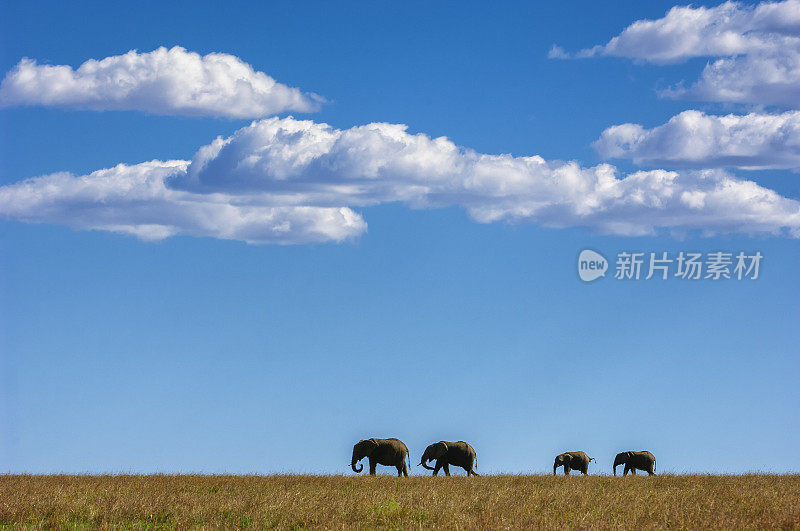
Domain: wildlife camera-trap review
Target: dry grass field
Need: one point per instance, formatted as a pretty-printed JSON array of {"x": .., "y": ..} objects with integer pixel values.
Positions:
[{"x": 751, "y": 501}]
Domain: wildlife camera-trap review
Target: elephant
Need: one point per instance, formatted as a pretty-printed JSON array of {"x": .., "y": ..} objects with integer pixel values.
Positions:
[
  {"x": 389, "y": 452},
  {"x": 573, "y": 461},
  {"x": 450, "y": 453},
  {"x": 643, "y": 460}
]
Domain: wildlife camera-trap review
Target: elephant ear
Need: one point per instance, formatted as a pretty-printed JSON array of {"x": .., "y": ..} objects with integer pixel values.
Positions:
[
  {"x": 566, "y": 458},
  {"x": 441, "y": 449},
  {"x": 369, "y": 446},
  {"x": 365, "y": 447}
]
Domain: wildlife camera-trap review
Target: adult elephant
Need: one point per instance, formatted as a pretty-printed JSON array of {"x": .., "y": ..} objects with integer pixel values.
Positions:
[
  {"x": 388, "y": 452},
  {"x": 450, "y": 453},
  {"x": 573, "y": 461},
  {"x": 643, "y": 460}
]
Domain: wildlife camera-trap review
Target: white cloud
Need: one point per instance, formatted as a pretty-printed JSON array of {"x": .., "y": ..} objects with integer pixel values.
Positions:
[
  {"x": 291, "y": 181},
  {"x": 695, "y": 139},
  {"x": 725, "y": 30},
  {"x": 136, "y": 200},
  {"x": 557, "y": 52},
  {"x": 760, "y": 78},
  {"x": 168, "y": 82},
  {"x": 758, "y": 47}
]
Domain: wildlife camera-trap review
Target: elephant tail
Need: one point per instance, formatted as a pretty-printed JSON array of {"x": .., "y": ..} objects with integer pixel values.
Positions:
[{"x": 408, "y": 455}]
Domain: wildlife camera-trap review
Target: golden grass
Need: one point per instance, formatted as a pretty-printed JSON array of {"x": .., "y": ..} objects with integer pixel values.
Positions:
[{"x": 751, "y": 501}]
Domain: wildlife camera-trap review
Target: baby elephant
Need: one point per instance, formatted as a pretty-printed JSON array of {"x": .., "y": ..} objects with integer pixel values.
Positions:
[
  {"x": 388, "y": 452},
  {"x": 572, "y": 461},
  {"x": 450, "y": 453},
  {"x": 643, "y": 460}
]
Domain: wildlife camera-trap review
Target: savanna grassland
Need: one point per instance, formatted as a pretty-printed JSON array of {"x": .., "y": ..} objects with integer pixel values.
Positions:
[{"x": 180, "y": 501}]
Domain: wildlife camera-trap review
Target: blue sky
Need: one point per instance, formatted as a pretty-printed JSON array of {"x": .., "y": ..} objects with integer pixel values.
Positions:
[{"x": 199, "y": 352}]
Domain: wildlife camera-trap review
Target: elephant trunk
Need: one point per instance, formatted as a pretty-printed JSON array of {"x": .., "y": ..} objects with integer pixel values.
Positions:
[
  {"x": 425, "y": 466},
  {"x": 353, "y": 466}
]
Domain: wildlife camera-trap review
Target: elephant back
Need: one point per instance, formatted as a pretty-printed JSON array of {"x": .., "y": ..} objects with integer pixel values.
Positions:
[{"x": 466, "y": 446}]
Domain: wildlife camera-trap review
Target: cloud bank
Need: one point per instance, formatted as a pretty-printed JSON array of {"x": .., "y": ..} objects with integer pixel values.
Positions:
[
  {"x": 292, "y": 181},
  {"x": 695, "y": 139},
  {"x": 684, "y": 32},
  {"x": 760, "y": 78},
  {"x": 758, "y": 49},
  {"x": 164, "y": 81},
  {"x": 136, "y": 200}
]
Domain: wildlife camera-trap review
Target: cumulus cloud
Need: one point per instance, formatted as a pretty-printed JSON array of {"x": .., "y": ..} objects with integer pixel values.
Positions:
[
  {"x": 760, "y": 78},
  {"x": 164, "y": 81},
  {"x": 695, "y": 139},
  {"x": 293, "y": 181},
  {"x": 758, "y": 49},
  {"x": 684, "y": 32},
  {"x": 136, "y": 200}
]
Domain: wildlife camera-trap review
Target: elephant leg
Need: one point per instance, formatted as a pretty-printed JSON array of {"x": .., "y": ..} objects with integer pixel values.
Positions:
[
  {"x": 650, "y": 471},
  {"x": 436, "y": 468},
  {"x": 566, "y": 470},
  {"x": 405, "y": 469},
  {"x": 627, "y": 469},
  {"x": 372, "y": 466},
  {"x": 399, "y": 470},
  {"x": 470, "y": 468},
  {"x": 446, "y": 467}
]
